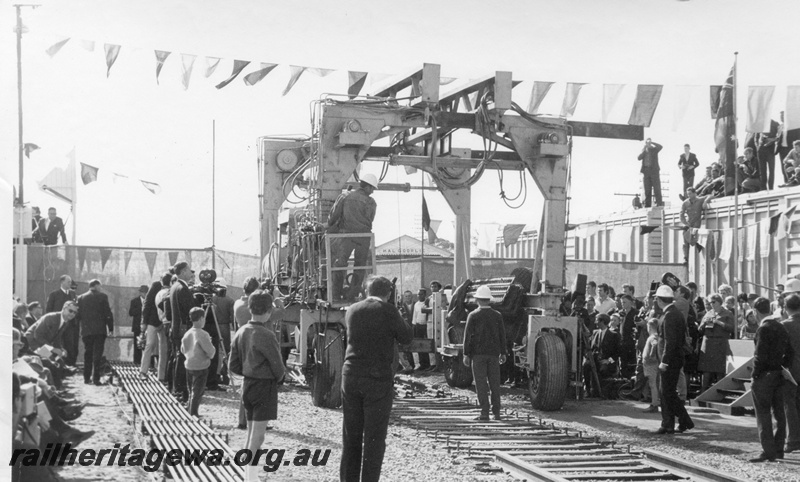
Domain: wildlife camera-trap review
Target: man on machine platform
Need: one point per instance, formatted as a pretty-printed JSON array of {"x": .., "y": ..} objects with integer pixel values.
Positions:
[{"x": 352, "y": 212}]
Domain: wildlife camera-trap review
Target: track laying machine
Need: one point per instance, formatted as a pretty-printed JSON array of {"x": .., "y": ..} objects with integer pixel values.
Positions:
[{"x": 417, "y": 129}]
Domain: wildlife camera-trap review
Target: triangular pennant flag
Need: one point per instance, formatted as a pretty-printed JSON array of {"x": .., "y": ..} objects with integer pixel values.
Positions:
[
  {"x": 150, "y": 256},
  {"x": 570, "y": 99},
  {"x": 320, "y": 72},
  {"x": 255, "y": 77},
  {"x": 88, "y": 173},
  {"x": 188, "y": 254},
  {"x": 81, "y": 257},
  {"x": 538, "y": 93},
  {"x": 112, "y": 51},
  {"x": 127, "y": 256},
  {"x": 187, "y": 64},
  {"x": 647, "y": 229},
  {"x": 173, "y": 257},
  {"x": 211, "y": 65},
  {"x": 119, "y": 177},
  {"x": 29, "y": 147},
  {"x": 53, "y": 49},
  {"x": 773, "y": 224},
  {"x": 611, "y": 94},
  {"x": 152, "y": 187},
  {"x": 647, "y": 97},
  {"x": 161, "y": 57},
  {"x": 238, "y": 66},
  {"x": 296, "y": 72},
  {"x": 87, "y": 44},
  {"x": 105, "y": 254},
  {"x": 511, "y": 233},
  {"x": 355, "y": 82}
]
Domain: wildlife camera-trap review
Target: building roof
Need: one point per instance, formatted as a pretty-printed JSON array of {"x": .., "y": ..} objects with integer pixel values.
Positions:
[{"x": 407, "y": 246}]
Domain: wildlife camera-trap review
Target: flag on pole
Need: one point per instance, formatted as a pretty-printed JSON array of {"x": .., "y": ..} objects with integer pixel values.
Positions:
[
  {"x": 112, "y": 52},
  {"x": 426, "y": 216},
  {"x": 161, "y": 57},
  {"x": 725, "y": 131},
  {"x": 88, "y": 173}
]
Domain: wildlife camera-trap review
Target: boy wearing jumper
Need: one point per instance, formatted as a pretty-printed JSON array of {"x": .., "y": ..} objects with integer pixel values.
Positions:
[
  {"x": 651, "y": 361},
  {"x": 196, "y": 346},
  {"x": 256, "y": 355}
]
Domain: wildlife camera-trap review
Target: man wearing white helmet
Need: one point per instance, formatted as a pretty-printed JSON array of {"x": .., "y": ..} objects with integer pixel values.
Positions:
[
  {"x": 485, "y": 351},
  {"x": 352, "y": 212}
]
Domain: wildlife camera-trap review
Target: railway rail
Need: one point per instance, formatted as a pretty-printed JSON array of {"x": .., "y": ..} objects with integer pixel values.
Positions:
[{"x": 531, "y": 448}]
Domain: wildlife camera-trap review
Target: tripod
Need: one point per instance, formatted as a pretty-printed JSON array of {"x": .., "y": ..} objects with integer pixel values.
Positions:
[{"x": 219, "y": 361}]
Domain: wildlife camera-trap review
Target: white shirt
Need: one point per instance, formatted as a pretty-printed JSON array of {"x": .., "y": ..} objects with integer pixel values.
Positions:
[
  {"x": 604, "y": 306},
  {"x": 420, "y": 318},
  {"x": 159, "y": 298}
]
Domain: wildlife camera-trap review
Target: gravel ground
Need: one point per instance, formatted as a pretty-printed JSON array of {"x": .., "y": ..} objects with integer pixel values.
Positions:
[{"x": 718, "y": 441}]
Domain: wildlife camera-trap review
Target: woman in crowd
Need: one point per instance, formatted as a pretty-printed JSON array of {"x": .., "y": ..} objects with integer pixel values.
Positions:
[{"x": 717, "y": 327}]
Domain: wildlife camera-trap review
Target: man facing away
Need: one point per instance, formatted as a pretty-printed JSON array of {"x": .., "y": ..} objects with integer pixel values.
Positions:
[
  {"x": 484, "y": 350},
  {"x": 374, "y": 327},
  {"x": 671, "y": 338},
  {"x": 772, "y": 353},
  {"x": 651, "y": 172},
  {"x": 135, "y": 312},
  {"x": 97, "y": 321},
  {"x": 181, "y": 302},
  {"x": 791, "y": 399}
]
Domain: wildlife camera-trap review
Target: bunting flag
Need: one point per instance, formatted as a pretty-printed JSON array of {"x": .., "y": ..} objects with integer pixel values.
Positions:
[
  {"x": 725, "y": 244},
  {"x": 211, "y": 65},
  {"x": 759, "y": 106},
  {"x": 320, "y": 72},
  {"x": 255, "y": 77},
  {"x": 296, "y": 72},
  {"x": 714, "y": 92},
  {"x": 570, "y": 99},
  {"x": 150, "y": 256},
  {"x": 741, "y": 243},
  {"x": 188, "y": 256},
  {"x": 487, "y": 236},
  {"x": 152, "y": 187},
  {"x": 765, "y": 242},
  {"x": 187, "y": 64},
  {"x": 682, "y": 96},
  {"x": 87, "y": 45},
  {"x": 792, "y": 111},
  {"x": 88, "y": 173},
  {"x": 29, "y": 147},
  {"x": 647, "y": 229},
  {"x": 752, "y": 241},
  {"x": 713, "y": 245},
  {"x": 511, "y": 233},
  {"x": 539, "y": 92},
  {"x": 112, "y": 51},
  {"x": 647, "y": 97},
  {"x": 119, "y": 177},
  {"x": 238, "y": 66},
  {"x": 725, "y": 131},
  {"x": 173, "y": 257},
  {"x": 355, "y": 82},
  {"x": 105, "y": 254},
  {"x": 161, "y": 57},
  {"x": 620, "y": 241},
  {"x": 611, "y": 93},
  {"x": 53, "y": 49},
  {"x": 81, "y": 257},
  {"x": 127, "y": 257}
]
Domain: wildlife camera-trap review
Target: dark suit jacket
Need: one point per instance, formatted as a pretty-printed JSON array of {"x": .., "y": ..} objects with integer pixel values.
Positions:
[
  {"x": 37, "y": 238},
  {"x": 149, "y": 309},
  {"x": 46, "y": 331},
  {"x": 692, "y": 161},
  {"x": 56, "y": 300},
  {"x": 652, "y": 156},
  {"x": 135, "y": 311},
  {"x": 606, "y": 345},
  {"x": 50, "y": 235},
  {"x": 672, "y": 337},
  {"x": 181, "y": 302},
  {"x": 95, "y": 314}
]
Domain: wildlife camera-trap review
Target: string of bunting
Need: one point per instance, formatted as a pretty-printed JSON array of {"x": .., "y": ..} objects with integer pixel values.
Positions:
[
  {"x": 760, "y": 98},
  {"x": 89, "y": 175}
]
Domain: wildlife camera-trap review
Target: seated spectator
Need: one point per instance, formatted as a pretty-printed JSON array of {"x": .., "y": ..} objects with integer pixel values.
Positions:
[
  {"x": 34, "y": 313},
  {"x": 605, "y": 346},
  {"x": 749, "y": 178},
  {"x": 715, "y": 187},
  {"x": 790, "y": 165}
]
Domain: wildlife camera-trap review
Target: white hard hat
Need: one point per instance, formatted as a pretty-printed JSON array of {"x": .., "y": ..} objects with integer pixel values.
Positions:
[
  {"x": 221, "y": 282},
  {"x": 370, "y": 179},
  {"x": 483, "y": 293},
  {"x": 792, "y": 286},
  {"x": 665, "y": 291}
]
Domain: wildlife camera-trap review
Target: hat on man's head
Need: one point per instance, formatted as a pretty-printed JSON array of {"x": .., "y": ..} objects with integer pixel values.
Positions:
[
  {"x": 483, "y": 293},
  {"x": 143, "y": 289},
  {"x": 179, "y": 266},
  {"x": 664, "y": 291},
  {"x": 792, "y": 286}
]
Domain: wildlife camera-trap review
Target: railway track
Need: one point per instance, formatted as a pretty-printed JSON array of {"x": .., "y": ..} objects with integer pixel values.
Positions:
[{"x": 532, "y": 448}]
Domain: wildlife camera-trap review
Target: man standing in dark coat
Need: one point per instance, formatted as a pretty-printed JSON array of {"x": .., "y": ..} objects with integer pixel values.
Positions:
[
  {"x": 374, "y": 327},
  {"x": 97, "y": 321},
  {"x": 651, "y": 172},
  {"x": 671, "y": 338},
  {"x": 181, "y": 302},
  {"x": 135, "y": 312},
  {"x": 773, "y": 352},
  {"x": 55, "y": 302},
  {"x": 688, "y": 163},
  {"x": 51, "y": 227}
]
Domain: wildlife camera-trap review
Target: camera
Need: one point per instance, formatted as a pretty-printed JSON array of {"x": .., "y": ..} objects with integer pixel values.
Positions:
[{"x": 208, "y": 286}]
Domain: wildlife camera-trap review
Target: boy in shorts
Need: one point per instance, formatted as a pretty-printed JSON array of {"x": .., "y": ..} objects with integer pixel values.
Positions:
[
  {"x": 256, "y": 355},
  {"x": 198, "y": 349}
]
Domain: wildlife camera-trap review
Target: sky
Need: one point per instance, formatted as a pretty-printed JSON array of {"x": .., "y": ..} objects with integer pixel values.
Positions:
[{"x": 128, "y": 124}]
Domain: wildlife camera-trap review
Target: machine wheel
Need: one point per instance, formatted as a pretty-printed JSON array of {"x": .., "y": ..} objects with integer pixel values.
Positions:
[
  {"x": 326, "y": 382},
  {"x": 455, "y": 373},
  {"x": 549, "y": 378}
]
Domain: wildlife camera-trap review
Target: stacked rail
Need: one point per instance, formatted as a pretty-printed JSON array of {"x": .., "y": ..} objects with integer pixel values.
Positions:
[
  {"x": 532, "y": 449},
  {"x": 169, "y": 426}
]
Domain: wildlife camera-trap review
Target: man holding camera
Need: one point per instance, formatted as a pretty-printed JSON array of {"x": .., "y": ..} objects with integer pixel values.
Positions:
[
  {"x": 181, "y": 302},
  {"x": 651, "y": 172}
]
